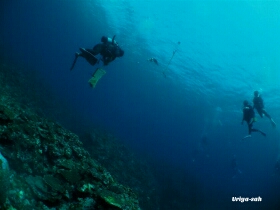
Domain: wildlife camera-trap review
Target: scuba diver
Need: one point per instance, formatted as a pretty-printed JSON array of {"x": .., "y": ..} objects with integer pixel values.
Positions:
[
  {"x": 234, "y": 166},
  {"x": 249, "y": 117},
  {"x": 202, "y": 148},
  {"x": 259, "y": 106},
  {"x": 277, "y": 168},
  {"x": 153, "y": 60},
  {"x": 108, "y": 49}
]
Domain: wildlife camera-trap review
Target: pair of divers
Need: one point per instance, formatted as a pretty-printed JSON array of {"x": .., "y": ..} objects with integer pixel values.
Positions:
[
  {"x": 249, "y": 114},
  {"x": 109, "y": 51}
]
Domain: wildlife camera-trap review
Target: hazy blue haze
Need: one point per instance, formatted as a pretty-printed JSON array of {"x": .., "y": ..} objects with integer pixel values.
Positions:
[{"x": 227, "y": 50}]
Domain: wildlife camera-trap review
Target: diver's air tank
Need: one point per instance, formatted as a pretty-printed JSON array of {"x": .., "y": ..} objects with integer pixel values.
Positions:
[{"x": 107, "y": 39}]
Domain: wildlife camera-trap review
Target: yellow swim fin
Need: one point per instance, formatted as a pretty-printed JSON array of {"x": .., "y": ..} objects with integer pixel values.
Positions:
[{"x": 96, "y": 77}]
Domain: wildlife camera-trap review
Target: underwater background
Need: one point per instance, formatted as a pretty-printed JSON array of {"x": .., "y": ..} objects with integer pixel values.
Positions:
[{"x": 184, "y": 118}]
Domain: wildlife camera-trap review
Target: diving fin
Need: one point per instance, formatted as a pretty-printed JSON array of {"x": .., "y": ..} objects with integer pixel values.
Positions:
[
  {"x": 273, "y": 123},
  {"x": 74, "y": 62},
  {"x": 88, "y": 55},
  {"x": 263, "y": 133},
  {"x": 96, "y": 76}
]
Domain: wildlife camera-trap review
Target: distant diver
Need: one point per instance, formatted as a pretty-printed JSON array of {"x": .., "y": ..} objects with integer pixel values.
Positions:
[
  {"x": 153, "y": 60},
  {"x": 259, "y": 106},
  {"x": 202, "y": 148},
  {"x": 235, "y": 168},
  {"x": 108, "y": 49},
  {"x": 249, "y": 117},
  {"x": 277, "y": 168}
]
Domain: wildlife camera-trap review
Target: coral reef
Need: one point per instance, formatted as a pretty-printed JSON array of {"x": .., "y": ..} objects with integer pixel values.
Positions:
[
  {"x": 4, "y": 183},
  {"x": 49, "y": 168}
]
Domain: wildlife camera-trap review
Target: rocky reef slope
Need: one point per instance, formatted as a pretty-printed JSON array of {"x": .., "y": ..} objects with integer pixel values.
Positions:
[
  {"x": 48, "y": 167},
  {"x": 44, "y": 166}
]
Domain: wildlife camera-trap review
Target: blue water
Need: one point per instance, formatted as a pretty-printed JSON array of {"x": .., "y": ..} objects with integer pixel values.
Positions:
[{"x": 227, "y": 50}]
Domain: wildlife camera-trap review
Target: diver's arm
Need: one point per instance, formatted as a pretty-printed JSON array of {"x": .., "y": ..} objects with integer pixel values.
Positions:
[{"x": 107, "y": 60}]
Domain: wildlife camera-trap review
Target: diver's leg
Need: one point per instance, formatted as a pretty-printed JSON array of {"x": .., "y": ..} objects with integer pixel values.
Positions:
[
  {"x": 269, "y": 117},
  {"x": 97, "y": 49},
  {"x": 266, "y": 114},
  {"x": 257, "y": 130},
  {"x": 260, "y": 111},
  {"x": 249, "y": 130},
  {"x": 91, "y": 51},
  {"x": 88, "y": 55},
  {"x": 263, "y": 133},
  {"x": 272, "y": 122},
  {"x": 84, "y": 52},
  {"x": 250, "y": 127}
]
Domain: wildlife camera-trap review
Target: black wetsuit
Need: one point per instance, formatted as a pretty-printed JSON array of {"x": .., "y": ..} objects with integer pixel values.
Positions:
[
  {"x": 248, "y": 116},
  {"x": 258, "y": 105},
  {"x": 108, "y": 50}
]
